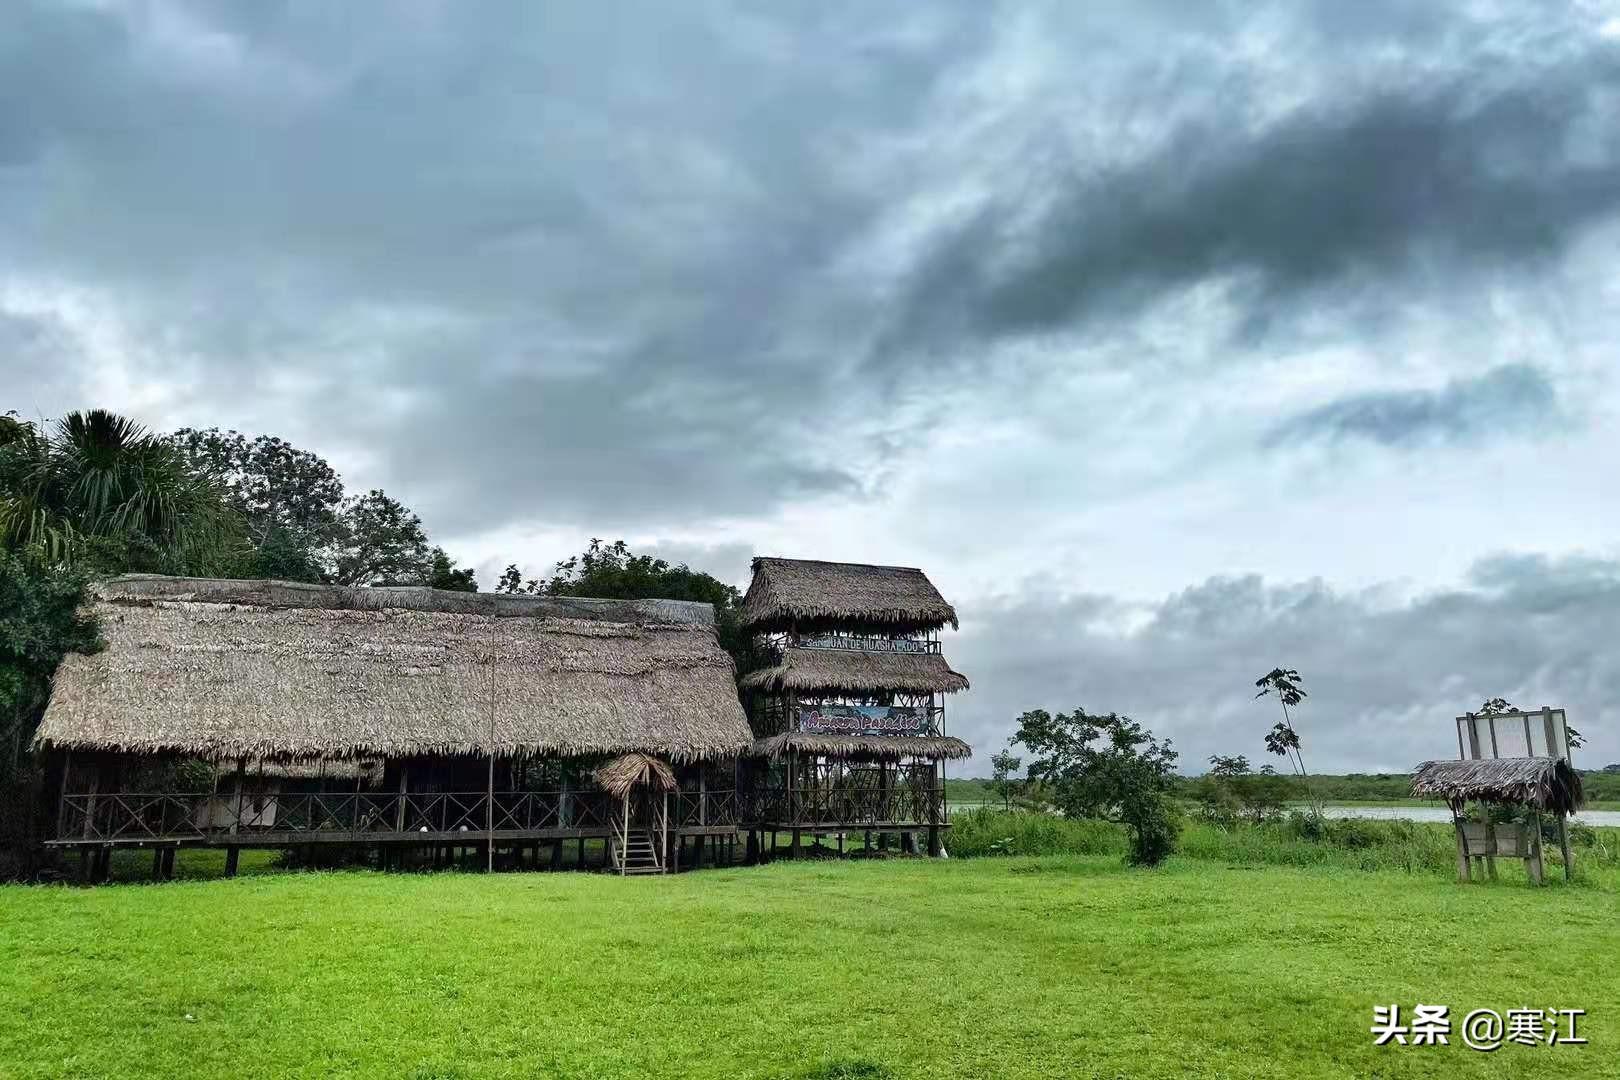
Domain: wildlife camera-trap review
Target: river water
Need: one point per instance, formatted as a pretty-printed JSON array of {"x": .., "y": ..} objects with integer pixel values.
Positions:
[
  {"x": 1609, "y": 818},
  {"x": 1441, "y": 813}
]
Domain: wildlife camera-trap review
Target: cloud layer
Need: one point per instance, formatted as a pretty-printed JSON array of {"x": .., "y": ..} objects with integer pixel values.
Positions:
[{"x": 1070, "y": 304}]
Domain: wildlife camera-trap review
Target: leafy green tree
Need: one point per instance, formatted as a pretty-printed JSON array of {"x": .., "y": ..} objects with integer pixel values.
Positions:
[
  {"x": 280, "y": 490},
  {"x": 1283, "y": 739},
  {"x": 98, "y": 490},
  {"x": 1109, "y": 767},
  {"x": 1004, "y": 767},
  {"x": 377, "y": 540},
  {"x": 40, "y": 622},
  {"x": 443, "y": 574},
  {"x": 613, "y": 571}
]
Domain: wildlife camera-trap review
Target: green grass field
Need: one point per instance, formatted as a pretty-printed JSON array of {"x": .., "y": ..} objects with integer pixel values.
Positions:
[{"x": 902, "y": 968}]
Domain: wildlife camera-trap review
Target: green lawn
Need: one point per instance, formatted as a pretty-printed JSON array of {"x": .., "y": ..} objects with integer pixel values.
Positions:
[{"x": 904, "y": 968}]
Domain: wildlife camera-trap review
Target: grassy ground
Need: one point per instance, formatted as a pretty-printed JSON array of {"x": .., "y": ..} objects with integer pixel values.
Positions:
[{"x": 904, "y": 968}]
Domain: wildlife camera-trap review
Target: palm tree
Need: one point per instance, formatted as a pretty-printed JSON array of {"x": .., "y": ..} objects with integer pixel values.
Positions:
[{"x": 99, "y": 489}]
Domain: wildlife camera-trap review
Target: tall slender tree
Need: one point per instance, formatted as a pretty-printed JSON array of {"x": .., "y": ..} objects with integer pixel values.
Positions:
[{"x": 1283, "y": 739}]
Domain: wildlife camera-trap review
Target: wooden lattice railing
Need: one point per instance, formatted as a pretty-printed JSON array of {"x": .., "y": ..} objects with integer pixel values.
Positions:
[
  {"x": 850, "y": 806},
  {"x": 113, "y": 817}
]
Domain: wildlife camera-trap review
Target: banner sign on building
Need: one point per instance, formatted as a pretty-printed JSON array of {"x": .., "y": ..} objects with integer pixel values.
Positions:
[
  {"x": 863, "y": 719},
  {"x": 859, "y": 643}
]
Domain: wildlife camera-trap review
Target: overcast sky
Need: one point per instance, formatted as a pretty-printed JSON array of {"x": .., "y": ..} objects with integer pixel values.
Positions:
[{"x": 1174, "y": 341}]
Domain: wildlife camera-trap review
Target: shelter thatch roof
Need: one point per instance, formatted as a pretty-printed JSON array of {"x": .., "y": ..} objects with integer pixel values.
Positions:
[
  {"x": 809, "y": 594},
  {"x": 873, "y": 746},
  {"x": 1543, "y": 782},
  {"x": 268, "y": 669},
  {"x": 853, "y": 671},
  {"x": 621, "y": 774}
]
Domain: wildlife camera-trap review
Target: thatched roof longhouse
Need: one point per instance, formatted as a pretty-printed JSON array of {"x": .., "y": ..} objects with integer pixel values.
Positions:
[
  {"x": 1543, "y": 782},
  {"x": 874, "y": 746},
  {"x": 809, "y": 593},
  {"x": 851, "y": 671},
  {"x": 261, "y": 669}
]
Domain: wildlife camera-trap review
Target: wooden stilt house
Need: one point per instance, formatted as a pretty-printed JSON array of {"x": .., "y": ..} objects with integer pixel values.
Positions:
[
  {"x": 849, "y": 712},
  {"x": 484, "y": 722}
]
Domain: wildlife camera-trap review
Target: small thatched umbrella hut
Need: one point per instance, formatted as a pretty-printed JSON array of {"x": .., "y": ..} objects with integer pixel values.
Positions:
[
  {"x": 449, "y": 689},
  {"x": 1545, "y": 784},
  {"x": 849, "y": 709}
]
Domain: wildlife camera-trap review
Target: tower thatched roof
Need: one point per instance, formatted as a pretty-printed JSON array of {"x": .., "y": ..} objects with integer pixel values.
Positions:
[
  {"x": 1543, "y": 782},
  {"x": 854, "y": 671},
  {"x": 863, "y": 746},
  {"x": 809, "y": 593},
  {"x": 270, "y": 669}
]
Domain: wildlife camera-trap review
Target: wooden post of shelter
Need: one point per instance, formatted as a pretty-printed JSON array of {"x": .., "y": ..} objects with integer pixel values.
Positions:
[
  {"x": 1463, "y": 873},
  {"x": 489, "y": 809},
  {"x": 233, "y": 853},
  {"x": 1533, "y": 863}
]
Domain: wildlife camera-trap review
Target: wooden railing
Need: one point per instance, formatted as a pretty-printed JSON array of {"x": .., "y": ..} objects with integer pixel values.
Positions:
[
  {"x": 850, "y": 806},
  {"x": 123, "y": 817},
  {"x": 131, "y": 817},
  {"x": 695, "y": 809}
]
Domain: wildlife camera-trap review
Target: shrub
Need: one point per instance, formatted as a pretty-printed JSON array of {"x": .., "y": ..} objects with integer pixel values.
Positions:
[
  {"x": 999, "y": 832},
  {"x": 1153, "y": 834}
]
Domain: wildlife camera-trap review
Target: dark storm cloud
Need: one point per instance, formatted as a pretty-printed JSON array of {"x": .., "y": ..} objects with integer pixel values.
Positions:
[
  {"x": 1499, "y": 166},
  {"x": 1506, "y": 400},
  {"x": 1385, "y": 678},
  {"x": 612, "y": 267},
  {"x": 533, "y": 262}
]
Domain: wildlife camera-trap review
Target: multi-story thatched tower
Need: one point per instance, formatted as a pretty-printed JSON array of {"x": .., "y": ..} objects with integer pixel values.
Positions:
[{"x": 849, "y": 711}]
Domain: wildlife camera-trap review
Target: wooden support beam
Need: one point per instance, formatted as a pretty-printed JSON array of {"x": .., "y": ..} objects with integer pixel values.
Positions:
[
  {"x": 1563, "y": 846},
  {"x": 1534, "y": 864},
  {"x": 1463, "y": 873},
  {"x": 232, "y": 855}
]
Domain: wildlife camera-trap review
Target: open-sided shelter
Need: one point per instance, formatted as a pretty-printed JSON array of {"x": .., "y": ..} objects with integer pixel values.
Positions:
[{"x": 1541, "y": 783}]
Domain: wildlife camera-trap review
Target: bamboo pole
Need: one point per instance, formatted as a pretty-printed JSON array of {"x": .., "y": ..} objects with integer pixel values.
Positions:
[{"x": 489, "y": 808}]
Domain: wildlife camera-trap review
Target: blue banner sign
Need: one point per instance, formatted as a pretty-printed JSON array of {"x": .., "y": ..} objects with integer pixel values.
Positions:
[{"x": 863, "y": 719}]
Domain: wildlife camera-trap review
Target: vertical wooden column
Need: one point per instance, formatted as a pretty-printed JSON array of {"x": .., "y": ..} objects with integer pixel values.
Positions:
[
  {"x": 404, "y": 787},
  {"x": 61, "y": 803},
  {"x": 1563, "y": 846},
  {"x": 1462, "y": 847},
  {"x": 1533, "y": 864},
  {"x": 233, "y": 853}
]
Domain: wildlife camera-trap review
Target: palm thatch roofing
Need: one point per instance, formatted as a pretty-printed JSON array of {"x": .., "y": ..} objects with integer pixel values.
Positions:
[
  {"x": 808, "y": 594},
  {"x": 1543, "y": 782},
  {"x": 853, "y": 671},
  {"x": 271, "y": 669},
  {"x": 933, "y": 748},
  {"x": 621, "y": 774}
]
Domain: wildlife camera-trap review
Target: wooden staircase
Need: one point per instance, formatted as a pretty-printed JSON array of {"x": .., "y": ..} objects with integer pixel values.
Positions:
[{"x": 636, "y": 852}]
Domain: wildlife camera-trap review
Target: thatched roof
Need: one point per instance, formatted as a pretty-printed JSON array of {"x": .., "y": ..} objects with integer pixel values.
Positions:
[
  {"x": 621, "y": 774},
  {"x": 873, "y": 746},
  {"x": 809, "y": 593},
  {"x": 1544, "y": 782},
  {"x": 858, "y": 672},
  {"x": 297, "y": 671}
]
